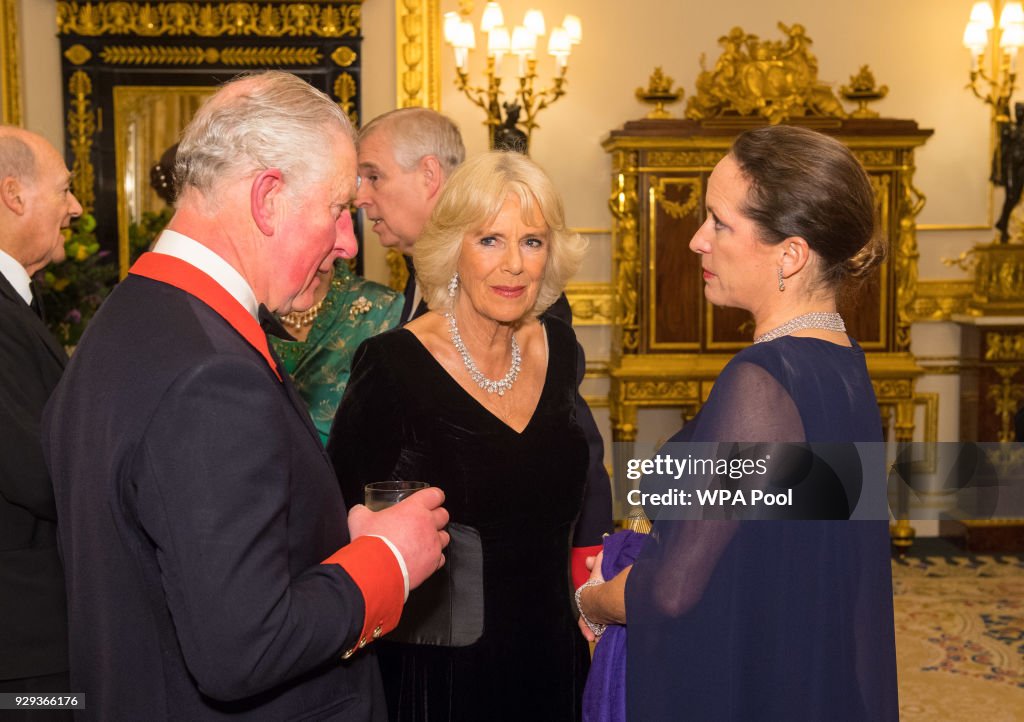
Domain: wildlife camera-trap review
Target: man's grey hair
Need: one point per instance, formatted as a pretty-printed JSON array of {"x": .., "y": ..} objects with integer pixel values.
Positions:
[
  {"x": 418, "y": 132},
  {"x": 17, "y": 159},
  {"x": 258, "y": 121}
]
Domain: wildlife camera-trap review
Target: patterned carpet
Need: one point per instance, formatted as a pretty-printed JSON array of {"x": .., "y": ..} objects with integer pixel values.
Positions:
[{"x": 960, "y": 638}]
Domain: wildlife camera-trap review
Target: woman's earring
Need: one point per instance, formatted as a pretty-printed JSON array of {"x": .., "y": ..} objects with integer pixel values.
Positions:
[
  {"x": 453, "y": 284},
  {"x": 782, "y": 282}
]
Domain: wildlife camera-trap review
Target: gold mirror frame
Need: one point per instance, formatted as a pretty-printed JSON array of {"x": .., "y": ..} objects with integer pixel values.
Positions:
[
  {"x": 418, "y": 53},
  {"x": 10, "y": 76}
]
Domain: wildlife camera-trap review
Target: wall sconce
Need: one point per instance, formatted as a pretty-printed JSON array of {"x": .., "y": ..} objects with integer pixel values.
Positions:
[
  {"x": 521, "y": 41},
  {"x": 1001, "y": 80}
]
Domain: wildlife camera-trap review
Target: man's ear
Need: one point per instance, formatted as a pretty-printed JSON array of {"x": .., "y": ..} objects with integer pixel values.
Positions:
[
  {"x": 795, "y": 254},
  {"x": 433, "y": 174},
  {"x": 12, "y": 194},
  {"x": 265, "y": 198}
]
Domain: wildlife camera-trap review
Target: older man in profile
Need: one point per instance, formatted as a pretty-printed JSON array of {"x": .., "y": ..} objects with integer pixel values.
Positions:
[
  {"x": 36, "y": 203},
  {"x": 211, "y": 572}
]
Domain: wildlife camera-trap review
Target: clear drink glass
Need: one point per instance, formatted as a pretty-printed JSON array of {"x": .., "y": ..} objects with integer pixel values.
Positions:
[{"x": 382, "y": 494}]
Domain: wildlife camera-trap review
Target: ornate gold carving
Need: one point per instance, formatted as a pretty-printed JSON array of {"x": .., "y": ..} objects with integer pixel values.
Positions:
[
  {"x": 344, "y": 91},
  {"x": 1004, "y": 346},
  {"x": 344, "y": 56},
  {"x": 418, "y": 49},
  {"x": 998, "y": 278},
  {"x": 157, "y": 55},
  {"x": 862, "y": 90},
  {"x": 399, "y": 273},
  {"x": 673, "y": 208},
  {"x": 939, "y": 300},
  {"x": 905, "y": 252},
  {"x": 875, "y": 157},
  {"x": 209, "y": 19},
  {"x": 773, "y": 79},
  {"x": 659, "y": 93},
  {"x": 686, "y": 159},
  {"x": 77, "y": 54},
  {"x": 624, "y": 203},
  {"x": 270, "y": 56},
  {"x": 10, "y": 75},
  {"x": 81, "y": 126},
  {"x": 195, "y": 55},
  {"x": 890, "y": 389},
  {"x": 1006, "y": 398},
  {"x": 662, "y": 391},
  {"x": 592, "y": 304}
]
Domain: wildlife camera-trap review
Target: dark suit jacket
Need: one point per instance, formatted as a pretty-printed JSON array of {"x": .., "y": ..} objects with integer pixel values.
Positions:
[
  {"x": 33, "y": 614},
  {"x": 196, "y": 505}
]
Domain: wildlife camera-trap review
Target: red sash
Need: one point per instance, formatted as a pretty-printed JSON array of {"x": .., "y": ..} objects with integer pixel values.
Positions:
[{"x": 186, "y": 277}]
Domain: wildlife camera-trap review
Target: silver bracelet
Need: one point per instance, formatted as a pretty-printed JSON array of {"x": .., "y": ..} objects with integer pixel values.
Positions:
[{"x": 597, "y": 629}]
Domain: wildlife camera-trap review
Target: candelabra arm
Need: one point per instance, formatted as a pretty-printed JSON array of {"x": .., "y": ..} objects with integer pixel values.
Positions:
[
  {"x": 533, "y": 102},
  {"x": 484, "y": 98}
]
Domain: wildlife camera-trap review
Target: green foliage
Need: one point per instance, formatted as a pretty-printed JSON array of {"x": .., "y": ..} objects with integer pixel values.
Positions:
[{"x": 74, "y": 289}]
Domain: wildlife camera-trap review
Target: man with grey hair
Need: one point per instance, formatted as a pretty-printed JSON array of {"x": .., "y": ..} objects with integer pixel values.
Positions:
[
  {"x": 405, "y": 158},
  {"x": 36, "y": 203},
  {"x": 211, "y": 571}
]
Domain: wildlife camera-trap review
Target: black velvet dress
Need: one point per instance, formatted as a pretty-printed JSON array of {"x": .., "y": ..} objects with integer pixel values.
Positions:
[{"x": 501, "y": 641}]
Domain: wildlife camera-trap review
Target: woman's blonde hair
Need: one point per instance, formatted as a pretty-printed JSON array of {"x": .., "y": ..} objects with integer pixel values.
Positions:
[{"x": 471, "y": 199}]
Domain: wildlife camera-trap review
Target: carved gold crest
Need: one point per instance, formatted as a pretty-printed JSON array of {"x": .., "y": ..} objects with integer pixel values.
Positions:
[{"x": 775, "y": 79}]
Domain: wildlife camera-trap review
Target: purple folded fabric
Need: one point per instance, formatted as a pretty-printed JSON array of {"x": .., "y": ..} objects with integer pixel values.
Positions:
[{"x": 604, "y": 697}]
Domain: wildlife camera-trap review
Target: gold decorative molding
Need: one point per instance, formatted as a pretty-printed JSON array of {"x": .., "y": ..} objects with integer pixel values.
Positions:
[
  {"x": 418, "y": 53},
  {"x": 398, "y": 272},
  {"x": 592, "y": 304},
  {"x": 776, "y": 80},
  {"x": 905, "y": 251},
  {"x": 10, "y": 70},
  {"x": 869, "y": 158},
  {"x": 344, "y": 91},
  {"x": 78, "y": 54},
  {"x": 344, "y": 56},
  {"x": 209, "y": 19},
  {"x": 998, "y": 279},
  {"x": 81, "y": 127},
  {"x": 663, "y": 391},
  {"x": 673, "y": 208},
  {"x": 685, "y": 159},
  {"x": 1004, "y": 346},
  {"x": 270, "y": 56},
  {"x": 624, "y": 203},
  {"x": 940, "y": 300},
  {"x": 1006, "y": 397},
  {"x": 930, "y": 401}
]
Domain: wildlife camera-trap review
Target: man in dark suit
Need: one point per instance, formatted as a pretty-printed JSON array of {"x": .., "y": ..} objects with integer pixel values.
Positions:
[
  {"x": 35, "y": 204},
  {"x": 211, "y": 572},
  {"x": 405, "y": 157}
]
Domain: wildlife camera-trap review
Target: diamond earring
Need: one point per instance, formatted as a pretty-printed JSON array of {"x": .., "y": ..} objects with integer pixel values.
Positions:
[{"x": 453, "y": 284}]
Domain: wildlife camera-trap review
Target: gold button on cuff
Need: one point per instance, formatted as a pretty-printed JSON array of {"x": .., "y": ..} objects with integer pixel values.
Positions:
[
  {"x": 362, "y": 642},
  {"x": 349, "y": 653},
  {"x": 377, "y": 632}
]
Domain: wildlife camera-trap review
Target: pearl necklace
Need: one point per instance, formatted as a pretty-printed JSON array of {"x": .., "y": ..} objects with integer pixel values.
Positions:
[
  {"x": 300, "y": 319},
  {"x": 490, "y": 386},
  {"x": 817, "y": 319}
]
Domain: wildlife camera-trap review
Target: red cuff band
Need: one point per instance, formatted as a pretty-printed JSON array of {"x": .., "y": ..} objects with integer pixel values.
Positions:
[{"x": 374, "y": 569}]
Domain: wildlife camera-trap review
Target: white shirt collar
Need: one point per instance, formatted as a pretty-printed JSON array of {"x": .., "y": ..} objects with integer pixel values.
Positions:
[
  {"x": 172, "y": 243},
  {"x": 16, "y": 275}
]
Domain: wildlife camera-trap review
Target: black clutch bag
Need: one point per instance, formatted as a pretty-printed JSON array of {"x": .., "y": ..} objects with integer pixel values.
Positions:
[{"x": 447, "y": 610}]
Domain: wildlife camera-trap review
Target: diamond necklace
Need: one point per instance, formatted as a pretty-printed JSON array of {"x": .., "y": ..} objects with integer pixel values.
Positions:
[
  {"x": 492, "y": 387},
  {"x": 816, "y": 319}
]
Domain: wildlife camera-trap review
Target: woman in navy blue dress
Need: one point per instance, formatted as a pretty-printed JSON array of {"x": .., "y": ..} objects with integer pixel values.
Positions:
[{"x": 771, "y": 620}]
